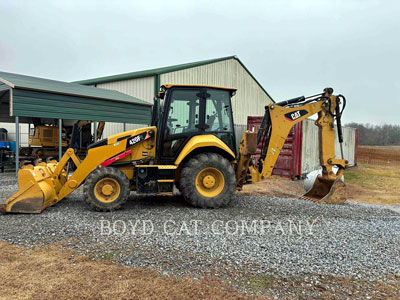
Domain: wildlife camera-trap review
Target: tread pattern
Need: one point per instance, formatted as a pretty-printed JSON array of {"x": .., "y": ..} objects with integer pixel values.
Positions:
[
  {"x": 94, "y": 177},
  {"x": 188, "y": 180}
]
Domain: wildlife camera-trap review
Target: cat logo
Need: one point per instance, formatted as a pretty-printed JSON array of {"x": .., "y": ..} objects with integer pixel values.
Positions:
[{"x": 292, "y": 116}]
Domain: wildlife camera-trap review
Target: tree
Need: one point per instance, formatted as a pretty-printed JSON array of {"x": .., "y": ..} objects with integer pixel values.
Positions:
[{"x": 377, "y": 135}]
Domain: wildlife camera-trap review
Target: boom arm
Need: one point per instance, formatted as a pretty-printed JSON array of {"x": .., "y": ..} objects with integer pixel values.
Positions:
[
  {"x": 278, "y": 120},
  {"x": 282, "y": 119}
]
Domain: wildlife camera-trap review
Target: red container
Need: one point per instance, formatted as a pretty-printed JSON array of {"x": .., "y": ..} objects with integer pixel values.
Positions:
[{"x": 289, "y": 160}]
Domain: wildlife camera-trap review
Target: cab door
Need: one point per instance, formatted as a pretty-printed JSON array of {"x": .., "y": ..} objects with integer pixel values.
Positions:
[{"x": 182, "y": 119}]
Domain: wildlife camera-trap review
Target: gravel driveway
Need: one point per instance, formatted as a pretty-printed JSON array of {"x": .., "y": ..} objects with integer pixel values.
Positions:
[{"x": 254, "y": 235}]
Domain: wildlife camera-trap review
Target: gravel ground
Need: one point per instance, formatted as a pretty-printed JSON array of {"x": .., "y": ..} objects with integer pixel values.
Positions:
[{"x": 289, "y": 237}]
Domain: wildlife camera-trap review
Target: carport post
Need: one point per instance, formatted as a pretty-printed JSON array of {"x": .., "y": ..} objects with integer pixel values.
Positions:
[
  {"x": 95, "y": 132},
  {"x": 17, "y": 146},
  {"x": 59, "y": 139}
]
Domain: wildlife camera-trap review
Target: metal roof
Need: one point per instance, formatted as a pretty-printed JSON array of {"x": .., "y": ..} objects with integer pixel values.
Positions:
[
  {"x": 32, "y": 97},
  {"x": 151, "y": 72},
  {"x": 4, "y": 87},
  {"x": 65, "y": 88},
  {"x": 163, "y": 70}
]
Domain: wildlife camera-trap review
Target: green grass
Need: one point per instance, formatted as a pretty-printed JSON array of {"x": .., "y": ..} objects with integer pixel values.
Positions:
[
  {"x": 360, "y": 178},
  {"x": 352, "y": 177},
  {"x": 258, "y": 284},
  {"x": 111, "y": 255}
]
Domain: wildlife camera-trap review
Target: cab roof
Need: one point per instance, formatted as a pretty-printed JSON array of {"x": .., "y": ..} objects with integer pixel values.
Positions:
[{"x": 168, "y": 86}]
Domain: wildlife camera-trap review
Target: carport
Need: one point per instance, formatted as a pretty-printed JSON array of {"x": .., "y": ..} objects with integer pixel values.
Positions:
[{"x": 23, "y": 98}]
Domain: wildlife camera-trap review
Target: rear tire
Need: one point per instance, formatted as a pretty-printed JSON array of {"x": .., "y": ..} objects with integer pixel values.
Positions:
[
  {"x": 106, "y": 189},
  {"x": 208, "y": 181}
]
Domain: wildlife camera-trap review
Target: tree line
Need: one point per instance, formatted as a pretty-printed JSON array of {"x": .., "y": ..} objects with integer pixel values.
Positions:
[{"x": 377, "y": 135}]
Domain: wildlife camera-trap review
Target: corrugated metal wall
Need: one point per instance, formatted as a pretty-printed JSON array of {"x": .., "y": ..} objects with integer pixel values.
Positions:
[
  {"x": 141, "y": 88},
  {"x": 310, "y": 156},
  {"x": 250, "y": 99},
  {"x": 114, "y": 128}
]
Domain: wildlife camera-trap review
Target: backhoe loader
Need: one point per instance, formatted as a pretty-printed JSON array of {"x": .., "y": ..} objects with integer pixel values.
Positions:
[
  {"x": 191, "y": 145},
  {"x": 44, "y": 139}
]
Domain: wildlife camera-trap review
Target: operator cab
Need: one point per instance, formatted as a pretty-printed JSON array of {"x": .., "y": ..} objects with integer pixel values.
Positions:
[{"x": 188, "y": 111}]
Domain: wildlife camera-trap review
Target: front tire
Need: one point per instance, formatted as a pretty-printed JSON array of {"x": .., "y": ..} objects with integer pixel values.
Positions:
[
  {"x": 208, "y": 181},
  {"x": 106, "y": 189}
]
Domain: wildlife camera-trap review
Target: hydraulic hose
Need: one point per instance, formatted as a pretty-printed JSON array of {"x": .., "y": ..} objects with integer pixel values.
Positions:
[{"x": 338, "y": 115}]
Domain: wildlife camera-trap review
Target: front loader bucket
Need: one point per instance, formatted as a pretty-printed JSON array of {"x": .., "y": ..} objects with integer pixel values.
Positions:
[
  {"x": 37, "y": 190},
  {"x": 325, "y": 190}
]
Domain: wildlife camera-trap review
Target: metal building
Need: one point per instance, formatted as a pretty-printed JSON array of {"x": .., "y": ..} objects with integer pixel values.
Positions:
[
  {"x": 250, "y": 98},
  {"x": 24, "y": 98}
]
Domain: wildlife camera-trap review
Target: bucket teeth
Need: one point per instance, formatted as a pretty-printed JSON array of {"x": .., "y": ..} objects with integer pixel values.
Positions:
[
  {"x": 308, "y": 198},
  {"x": 324, "y": 190}
]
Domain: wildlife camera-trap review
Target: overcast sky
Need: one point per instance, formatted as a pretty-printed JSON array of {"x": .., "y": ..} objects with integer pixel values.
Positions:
[{"x": 293, "y": 47}]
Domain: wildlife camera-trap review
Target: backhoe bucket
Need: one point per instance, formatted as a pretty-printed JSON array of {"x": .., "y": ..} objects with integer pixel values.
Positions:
[
  {"x": 325, "y": 190},
  {"x": 37, "y": 190}
]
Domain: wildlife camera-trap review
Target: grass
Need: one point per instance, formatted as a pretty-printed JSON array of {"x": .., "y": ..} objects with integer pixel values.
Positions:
[
  {"x": 374, "y": 184},
  {"x": 48, "y": 273},
  {"x": 111, "y": 255},
  {"x": 368, "y": 175},
  {"x": 376, "y": 179},
  {"x": 259, "y": 284}
]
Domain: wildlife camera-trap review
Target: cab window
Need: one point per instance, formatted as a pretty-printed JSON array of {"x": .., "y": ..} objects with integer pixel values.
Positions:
[
  {"x": 183, "y": 112},
  {"x": 218, "y": 111}
]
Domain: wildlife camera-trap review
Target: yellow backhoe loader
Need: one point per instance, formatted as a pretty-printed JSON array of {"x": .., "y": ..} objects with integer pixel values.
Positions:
[
  {"x": 46, "y": 136},
  {"x": 44, "y": 139},
  {"x": 191, "y": 145}
]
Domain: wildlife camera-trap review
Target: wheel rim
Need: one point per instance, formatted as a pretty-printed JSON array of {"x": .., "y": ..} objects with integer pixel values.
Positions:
[
  {"x": 210, "y": 182},
  {"x": 107, "y": 190}
]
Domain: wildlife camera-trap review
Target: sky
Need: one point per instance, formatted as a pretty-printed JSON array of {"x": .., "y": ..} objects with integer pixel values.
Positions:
[{"x": 292, "y": 47}]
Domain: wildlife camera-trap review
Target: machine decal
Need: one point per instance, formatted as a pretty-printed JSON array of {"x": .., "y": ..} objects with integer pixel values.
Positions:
[
  {"x": 136, "y": 139},
  {"x": 294, "y": 115}
]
